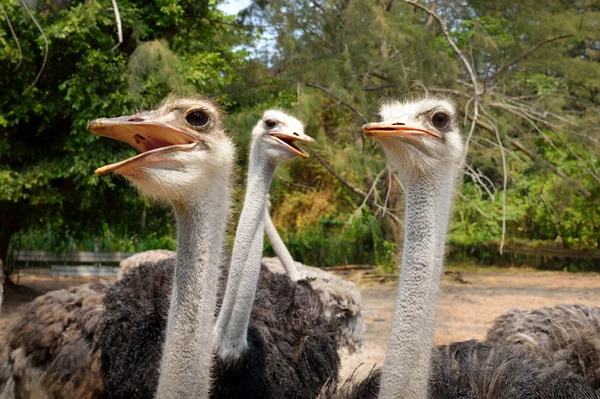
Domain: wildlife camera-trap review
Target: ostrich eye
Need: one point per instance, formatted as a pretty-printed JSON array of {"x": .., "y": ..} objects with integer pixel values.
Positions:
[
  {"x": 440, "y": 120},
  {"x": 197, "y": 118},
  {"x": 270, "y": 123}
]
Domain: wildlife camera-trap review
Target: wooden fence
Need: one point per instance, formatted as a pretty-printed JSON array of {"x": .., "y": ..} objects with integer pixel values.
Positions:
[
  {"x": 553, "y": 252},
  {"x": 75, "y": 257},
  {"x": 96, "y": 258}
]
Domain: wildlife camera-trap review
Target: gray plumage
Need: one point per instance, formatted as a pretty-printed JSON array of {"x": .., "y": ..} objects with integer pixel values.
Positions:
[
  {"x": 566, "y": 336},
  {"x": 67, "y": 346},
  {"x": 341, "y": 300},
  {"x": 151, "y": 256},
  {"x": 479, "y": 370},
  {"x": 53, "y": 349}
]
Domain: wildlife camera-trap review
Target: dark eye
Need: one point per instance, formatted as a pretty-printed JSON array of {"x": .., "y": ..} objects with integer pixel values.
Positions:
[
  {"x": 440, "y": 120},
  {"x": 197, "y": 118},
  {"x": 270, "y": 123}
]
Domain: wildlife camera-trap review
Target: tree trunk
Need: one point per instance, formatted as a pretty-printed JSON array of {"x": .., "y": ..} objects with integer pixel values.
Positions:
[{"x": 9, "y": 224}]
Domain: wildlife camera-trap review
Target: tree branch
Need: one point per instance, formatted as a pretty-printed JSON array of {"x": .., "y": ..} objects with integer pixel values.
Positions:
[
  {"x": 326, "y": 90},
  {"x": 527, "y": 54},
  {"x": 379, "y": 87},
  {"x": 294, "y": 184},
  {"x": 45, "y": 42},
  {"x": 118, "y": 21},
  {"x": 534, "y": 157},
  {"x": 345, "y": 182},
  {"x": 466, "y": 64},
  {"x": 366, "y": 196},
  {"x": 548, "y": 165}
]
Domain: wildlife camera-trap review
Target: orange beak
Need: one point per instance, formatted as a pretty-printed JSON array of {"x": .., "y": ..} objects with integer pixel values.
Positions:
[
  {"x": 287, "y": 140},
  {"x": 398, "y": 129},
  {"x": 149, "y": 137}
]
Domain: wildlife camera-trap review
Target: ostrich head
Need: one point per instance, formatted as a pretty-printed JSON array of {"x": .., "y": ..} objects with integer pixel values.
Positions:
[
  {"x": 182, "y": 143},
  {"x": 274, "y": 135},
  {"x": 418, "y": 137}
]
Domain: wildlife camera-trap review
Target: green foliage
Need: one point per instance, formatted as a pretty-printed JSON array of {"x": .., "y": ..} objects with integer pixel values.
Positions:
[
  {"x": 537, "y": 62},
  {"x": 47, "y": 156}
]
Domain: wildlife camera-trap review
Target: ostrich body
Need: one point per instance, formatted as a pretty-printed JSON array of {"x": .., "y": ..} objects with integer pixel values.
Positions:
[
  {"x": 341, "y": 298},
  {"x": 567, "y": 336},
  {"x": 479, "y": 370},
  {"x": 151, "y": 256},
  {"x": 423, "y": 145}
]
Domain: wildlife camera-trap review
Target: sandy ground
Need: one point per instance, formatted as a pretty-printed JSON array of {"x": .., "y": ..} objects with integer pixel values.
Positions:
[{"x": 465, "y": 311}]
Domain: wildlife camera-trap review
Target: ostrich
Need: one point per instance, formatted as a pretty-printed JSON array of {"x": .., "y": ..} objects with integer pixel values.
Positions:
[
  {"x": 188, "y": 165},
  {"x": 567, "y": 336},
  {"x": 341, "y": 298},
  {"x": 423, "y": 145},
  {"x": 304, "y": 355},
  {"x": 186, "y": 160}
]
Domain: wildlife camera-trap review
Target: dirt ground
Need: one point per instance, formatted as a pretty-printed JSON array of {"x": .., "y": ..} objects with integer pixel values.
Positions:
[{"x": 465, "y": 311}]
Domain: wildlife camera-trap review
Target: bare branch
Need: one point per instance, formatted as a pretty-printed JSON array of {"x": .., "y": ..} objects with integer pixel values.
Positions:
[
  {"x": 539, "y": 160},
  {"x": 354, "y": 189},
  {"x": 504, "y": 179},
  {"x": 527, "y": 54},
  {"x": 14, "y": 35},
  {"x": 371, "y": 190},
  {"x": 45, "y": 42},
  {"x": 379, "y": 87},
  {"x": 468, "y": 201},
  {"x": 345, "y": 182},
  {"x": 465, "y": 63},
  {"x": 326, "y": 90},
  {"x": 446, "y": 33},
  {"x": 291, "y": 183},
  {"x": 548, "y": 165},
  {"x": 477, "y": 180},
  {"x": 118, "y": 20}
]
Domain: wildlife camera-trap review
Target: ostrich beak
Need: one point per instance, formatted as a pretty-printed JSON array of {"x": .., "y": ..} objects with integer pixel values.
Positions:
[
  {"x": 148, "y": 136},
  {"x": 376, "y": 130},
  {"x": 287, "y": 140}
]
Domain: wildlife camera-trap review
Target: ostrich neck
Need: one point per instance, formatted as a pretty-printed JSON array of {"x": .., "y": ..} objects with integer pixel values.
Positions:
[
  {"x": 280, "y": 249},
  {"x": 406, "y": 370},
  {"x": 186, "y": 358},
  {"x": 233, "y": 320}
]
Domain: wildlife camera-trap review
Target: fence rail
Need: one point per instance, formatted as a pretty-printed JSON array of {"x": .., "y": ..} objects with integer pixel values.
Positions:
[
  {"x": 553, "y": 252},
  {"x": 56, "y": 270},
  {"x": 82, "y": 256}
]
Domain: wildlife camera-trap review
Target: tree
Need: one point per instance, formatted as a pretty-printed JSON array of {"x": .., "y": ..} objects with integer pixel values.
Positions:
[
  {"x": 525, "y": 75},
  {"x": 62, "y": 67}
]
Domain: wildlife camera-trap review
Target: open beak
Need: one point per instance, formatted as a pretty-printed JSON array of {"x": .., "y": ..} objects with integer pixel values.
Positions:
[
  {"x": 287, "y": 140},
  {"x": 147, "y": 136},
  {"x": 385, "y": 129}
]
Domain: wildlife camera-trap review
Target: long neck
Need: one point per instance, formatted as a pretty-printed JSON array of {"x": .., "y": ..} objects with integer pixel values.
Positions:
[
  {"x": 233, "y": 320},
  {"x": 280, "y": 249},
  {"x": 406, "y": 370},
  {"x": 186, "y": 358}
]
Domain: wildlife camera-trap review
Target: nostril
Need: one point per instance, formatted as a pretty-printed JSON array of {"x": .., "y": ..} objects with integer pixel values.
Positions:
[
  {"x": 138, "y": 138},
  {"x": 398, "y": 124},
  {"x": 296, "y": 134},
  {"x": 135, "y": 119}
]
